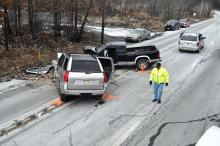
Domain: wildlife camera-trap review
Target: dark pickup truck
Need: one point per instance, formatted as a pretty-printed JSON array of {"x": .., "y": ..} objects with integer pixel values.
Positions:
[{"x": 142, "y": 56}]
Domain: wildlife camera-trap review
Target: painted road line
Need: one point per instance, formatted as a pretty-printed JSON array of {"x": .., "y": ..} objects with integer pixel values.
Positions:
[{"x": 127, "y": 133}]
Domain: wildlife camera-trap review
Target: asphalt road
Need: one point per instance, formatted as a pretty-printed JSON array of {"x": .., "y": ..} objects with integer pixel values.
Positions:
[{"x": 128, "y": 116}]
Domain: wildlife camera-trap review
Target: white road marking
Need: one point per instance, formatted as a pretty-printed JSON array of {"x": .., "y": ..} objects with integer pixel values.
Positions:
[{"x": 127, "y": 133}]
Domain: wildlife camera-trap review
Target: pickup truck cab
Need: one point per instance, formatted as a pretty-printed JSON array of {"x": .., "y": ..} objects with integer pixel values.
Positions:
[
  {"x": 142, "y": 56},
  {"x": 79, "y": 74}
]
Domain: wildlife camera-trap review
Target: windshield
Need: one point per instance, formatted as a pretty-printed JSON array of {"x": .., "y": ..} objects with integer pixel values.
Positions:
[
  {"x": 189, "y": 38},
  {"x": 137, "y": 31},
  {"x": 100, "y": 48},
  {"x": 171, "y": 22},
  {"x": 85, "y": 66},
  {"x": 183, "y": 20}
]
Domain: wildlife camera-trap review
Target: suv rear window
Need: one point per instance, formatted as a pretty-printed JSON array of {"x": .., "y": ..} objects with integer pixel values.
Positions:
[
  {"x": 85, "y": 66},
  {"x": 188, "y": 38}
]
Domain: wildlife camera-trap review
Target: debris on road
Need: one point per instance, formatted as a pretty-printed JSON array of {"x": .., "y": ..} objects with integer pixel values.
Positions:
[{"x": 39, "y": 70}]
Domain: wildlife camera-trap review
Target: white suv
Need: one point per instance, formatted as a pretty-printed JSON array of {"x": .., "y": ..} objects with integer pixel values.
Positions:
[
  {"x": 79, "y": 74},
  {"x": 191, "y": 42}
]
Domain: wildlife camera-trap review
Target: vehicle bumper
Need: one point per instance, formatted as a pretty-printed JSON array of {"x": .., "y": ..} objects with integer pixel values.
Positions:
[
  {"x": 67, "y": 91},
  {"x": 188, "y": 48},
  {"x": 80, "y": 92},
  {"x": 131, "y": 39},
  {"x": 155, "y": 60},
  {"x": 183, "y": 25}
]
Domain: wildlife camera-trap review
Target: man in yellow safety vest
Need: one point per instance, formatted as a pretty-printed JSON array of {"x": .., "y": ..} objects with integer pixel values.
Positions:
[{"x": 159, "y": 76}]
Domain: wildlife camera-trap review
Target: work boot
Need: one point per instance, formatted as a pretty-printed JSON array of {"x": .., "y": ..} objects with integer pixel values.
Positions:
[
  {"x": 154, "y": 100},
  {"x": 158, "y": 101}
]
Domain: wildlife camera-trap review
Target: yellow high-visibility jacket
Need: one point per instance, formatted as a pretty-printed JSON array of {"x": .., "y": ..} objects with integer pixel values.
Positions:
[{"x": 159, "y": 76}]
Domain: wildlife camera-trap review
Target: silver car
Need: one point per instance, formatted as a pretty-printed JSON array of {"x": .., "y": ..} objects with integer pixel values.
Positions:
[
  {"x": 137, "y": 35},
  {"x": 191, "y": 42},
  {"x": 79, "y": 74}
]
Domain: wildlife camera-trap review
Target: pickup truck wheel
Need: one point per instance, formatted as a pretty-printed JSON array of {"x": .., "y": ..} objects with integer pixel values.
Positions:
[{"x": 142, "y": 64}]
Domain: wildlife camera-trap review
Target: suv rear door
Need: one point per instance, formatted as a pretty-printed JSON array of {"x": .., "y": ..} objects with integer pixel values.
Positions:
[{"x": 107, "y": 65}]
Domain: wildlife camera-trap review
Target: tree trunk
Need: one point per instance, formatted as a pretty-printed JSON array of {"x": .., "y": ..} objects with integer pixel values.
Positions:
[
  {"x": 5, "y": 29},
  {"x": 84, "y": 21},
  {"x": 56, "y": 19},
  {"x": 76, "y": 14},
  {"x": 30, "y": 14},
  {"x": 19, "y": 16},
  {"x": 103, "y": 21}
]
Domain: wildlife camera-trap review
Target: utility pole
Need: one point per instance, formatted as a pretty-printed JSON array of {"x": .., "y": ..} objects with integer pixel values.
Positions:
[
  {"x": 103, "y": 21},
  {"x": 201, "y": 8}
]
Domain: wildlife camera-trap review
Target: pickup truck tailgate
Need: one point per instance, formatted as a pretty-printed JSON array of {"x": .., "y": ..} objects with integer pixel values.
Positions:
[{"x": 85, "y": 81}]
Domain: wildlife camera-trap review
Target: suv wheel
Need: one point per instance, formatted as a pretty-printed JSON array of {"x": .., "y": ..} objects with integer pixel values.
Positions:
[
  {"x": 63, "y": 97},
  {"x": 142, "y": 64},
  {"x": 198, "y": 51}
]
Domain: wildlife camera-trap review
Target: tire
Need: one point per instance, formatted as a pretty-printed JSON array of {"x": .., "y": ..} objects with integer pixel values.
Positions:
[
  {"x": 142, "y": 62},
  {"x": 198, "y": 51},
  {"x": 180, "y": 50},
  {"x": 99, "y": 97},
  {"x": 63, "y": 97}
]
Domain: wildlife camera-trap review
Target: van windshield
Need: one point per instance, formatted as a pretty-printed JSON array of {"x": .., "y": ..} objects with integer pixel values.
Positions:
[
  {"x": 85, "y": 66},
  {"x": 188, "y": 38}
]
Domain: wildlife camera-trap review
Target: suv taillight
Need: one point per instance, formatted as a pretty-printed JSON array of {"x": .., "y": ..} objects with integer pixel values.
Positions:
[
  {"x": 66, "y": 76},
  {"x": 105, "y": 78},
  {"x": 197, "y": 44},
  {"x": 158, "y": 55}
]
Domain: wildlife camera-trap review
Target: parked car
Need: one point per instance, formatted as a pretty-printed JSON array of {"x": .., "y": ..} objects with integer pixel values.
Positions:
[
  {"x": 137, "y": 35},
  {"x": 184, "y": 23},
  {"x": 79, "y": 74},
  {"x": 142, "y": 56},
  {"x": 172, "y": 25},
  {"x": 191, "y": 42},
  {"x": 210, "y": 137}
]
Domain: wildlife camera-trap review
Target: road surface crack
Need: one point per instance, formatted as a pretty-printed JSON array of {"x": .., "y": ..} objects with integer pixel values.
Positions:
[
  {"x": 72, "y": 122},
  {"x": 154, "y": 137}
]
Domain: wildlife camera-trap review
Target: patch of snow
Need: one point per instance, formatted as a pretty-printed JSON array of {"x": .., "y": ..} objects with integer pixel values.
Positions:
[
  {"x": 11, "y": 85},
  {"x": 115, "y": 32}
]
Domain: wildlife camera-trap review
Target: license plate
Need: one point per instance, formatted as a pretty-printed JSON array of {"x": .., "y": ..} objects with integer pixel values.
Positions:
[{"x": 90, "y": 82}]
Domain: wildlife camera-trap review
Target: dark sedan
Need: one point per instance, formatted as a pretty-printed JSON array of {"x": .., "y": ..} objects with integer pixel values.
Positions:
[{"x": 172, "y": 25}]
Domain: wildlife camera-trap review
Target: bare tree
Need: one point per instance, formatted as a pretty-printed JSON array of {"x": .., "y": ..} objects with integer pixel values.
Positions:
[{"x": 84, "y": 21}]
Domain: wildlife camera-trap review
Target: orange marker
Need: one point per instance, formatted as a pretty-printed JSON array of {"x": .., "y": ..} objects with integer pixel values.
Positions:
[{"x": 57, "y": 102}]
